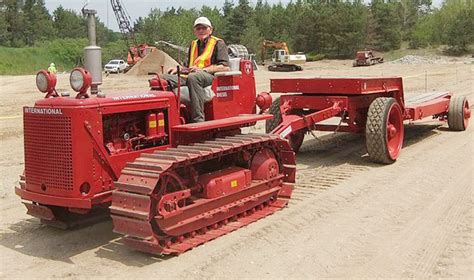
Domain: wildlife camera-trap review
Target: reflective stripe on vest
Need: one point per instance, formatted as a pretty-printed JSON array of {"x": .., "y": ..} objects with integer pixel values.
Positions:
[{"x": 204, "y": 60}]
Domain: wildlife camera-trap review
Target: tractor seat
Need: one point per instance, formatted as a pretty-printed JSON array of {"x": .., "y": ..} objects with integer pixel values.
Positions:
[
  {"x": 234, "y": 64},
  {"x": 186, "y": 99}
]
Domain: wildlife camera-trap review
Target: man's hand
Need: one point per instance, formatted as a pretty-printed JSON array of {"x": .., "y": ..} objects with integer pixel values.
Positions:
[
  {"x": 172, "y": 70},
  {"x": 194, "y": 68}
]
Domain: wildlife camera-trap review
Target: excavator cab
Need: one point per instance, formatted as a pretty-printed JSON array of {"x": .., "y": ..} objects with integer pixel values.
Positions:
[{"x": 278, "y": 55}]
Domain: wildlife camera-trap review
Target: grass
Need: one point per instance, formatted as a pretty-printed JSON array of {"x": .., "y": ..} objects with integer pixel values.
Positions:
[
  {"x": 65, "y": 53},
  {"x": 23, "y": 61}
]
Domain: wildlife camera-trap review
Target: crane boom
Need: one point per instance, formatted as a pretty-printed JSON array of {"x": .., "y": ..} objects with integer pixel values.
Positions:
[
  {"x": 135, "y": 51},
  {"x": 123, "y": 21}
]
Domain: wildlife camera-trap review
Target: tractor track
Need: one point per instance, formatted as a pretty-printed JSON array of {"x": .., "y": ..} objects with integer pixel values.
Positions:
[{"x": 151, "y": 218}]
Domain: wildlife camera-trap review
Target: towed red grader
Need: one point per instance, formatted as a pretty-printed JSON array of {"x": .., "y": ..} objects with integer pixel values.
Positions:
[
  {"x": 374, "y": 106},
  {"x": 171, "y": 185}
]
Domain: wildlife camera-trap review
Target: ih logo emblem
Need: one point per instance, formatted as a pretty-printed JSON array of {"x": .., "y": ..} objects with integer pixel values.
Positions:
[{"x": 248, "y": 67}]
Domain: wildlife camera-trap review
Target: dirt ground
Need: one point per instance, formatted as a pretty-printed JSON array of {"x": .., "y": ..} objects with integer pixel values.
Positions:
[{"x": 347, "y": 218}]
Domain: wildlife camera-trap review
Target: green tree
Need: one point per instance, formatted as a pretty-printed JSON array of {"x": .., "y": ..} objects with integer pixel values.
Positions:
[
  {"x": 452, "y": 24},
  {"x": 346, "y": 29},
  {"x": 262, "y": 17},
  {"x": 386, "y": 25},
  {"x": 69, "y": 24},
  {"x": 423, "y": 33},
  {"x": 228, "y": 7},
  {"x": 38, "y": 22},
  {"x": 456, "y": 24},
  {"x": 237, "y": 22},
  {"x": 252, "y": 38},
  {"x": 104, "y": 35},
  {"x": 412, "y": 11},
  {"x": 4, "y": 36},
  {"x": 15, "y": 23}
]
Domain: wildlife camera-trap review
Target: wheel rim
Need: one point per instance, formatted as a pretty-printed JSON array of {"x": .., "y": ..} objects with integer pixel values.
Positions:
[
  {"x": 394, "y": 131},
  {"x": 169, "y": 182},
  {"x": 466, "y": 113}
]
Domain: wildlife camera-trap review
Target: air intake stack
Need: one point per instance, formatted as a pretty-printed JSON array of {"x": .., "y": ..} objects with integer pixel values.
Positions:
[{"x": 93, "y": 53}]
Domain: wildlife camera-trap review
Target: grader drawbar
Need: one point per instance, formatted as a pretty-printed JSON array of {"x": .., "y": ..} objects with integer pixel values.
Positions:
[{"x": 374, "y": 106}]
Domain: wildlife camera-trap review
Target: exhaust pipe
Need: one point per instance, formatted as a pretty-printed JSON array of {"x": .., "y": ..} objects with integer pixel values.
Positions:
[{"x": 93, "y": 53}]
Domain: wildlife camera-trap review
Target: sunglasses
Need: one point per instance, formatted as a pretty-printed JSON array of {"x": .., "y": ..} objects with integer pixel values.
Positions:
[{"x": 201, "y": 27}]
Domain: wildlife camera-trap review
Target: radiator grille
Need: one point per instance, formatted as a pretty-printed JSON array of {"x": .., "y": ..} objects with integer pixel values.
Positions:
[{"x": 48, "y": 151}]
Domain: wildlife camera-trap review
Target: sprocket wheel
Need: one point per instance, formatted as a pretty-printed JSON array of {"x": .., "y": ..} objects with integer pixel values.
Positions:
[{"x": 170, "y": 183}]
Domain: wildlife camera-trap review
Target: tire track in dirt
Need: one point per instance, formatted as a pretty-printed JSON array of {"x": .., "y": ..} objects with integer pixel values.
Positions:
[
  {"x": 327, "y": 157},
  {"x": 397, "y": 254},
  {"x": 458, "y": 254},
  {"x": 432, "y": 251},
  {"x": 415, "y": 243}
]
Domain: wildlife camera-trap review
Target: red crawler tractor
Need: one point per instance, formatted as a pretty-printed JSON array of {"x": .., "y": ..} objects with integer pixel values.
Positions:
[
  {"x": 170, "y": 185},
  {"x": 366, "y": 58},
  {"x": 374, "y": 106}
]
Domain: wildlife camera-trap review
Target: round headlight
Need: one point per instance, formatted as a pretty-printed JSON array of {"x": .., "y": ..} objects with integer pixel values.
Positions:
[
  {"x": 45, "y": 82},
  {"x": 80, "y": 80}
]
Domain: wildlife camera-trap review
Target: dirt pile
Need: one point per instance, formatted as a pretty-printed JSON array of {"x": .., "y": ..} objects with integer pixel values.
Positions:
[{"x": 153, "y": 63}]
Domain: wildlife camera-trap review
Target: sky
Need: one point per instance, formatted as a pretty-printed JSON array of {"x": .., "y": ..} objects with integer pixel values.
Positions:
[{"x": 141, "y": 8}]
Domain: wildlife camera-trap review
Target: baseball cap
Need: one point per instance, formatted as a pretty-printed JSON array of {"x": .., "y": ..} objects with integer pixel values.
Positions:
[{"x": 202, "y": 21}]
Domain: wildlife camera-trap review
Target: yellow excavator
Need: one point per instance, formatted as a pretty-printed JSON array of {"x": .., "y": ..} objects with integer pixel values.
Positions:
[{"x": 282, "y": 60}]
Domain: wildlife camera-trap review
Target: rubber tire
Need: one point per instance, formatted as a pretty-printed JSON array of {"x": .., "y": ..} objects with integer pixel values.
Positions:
[
  {"x": 296, "y": 139},
  {"x": 456, "y": 113},
  {"x": 275, "y": 111},
  {"x": 376, "y": 130}
]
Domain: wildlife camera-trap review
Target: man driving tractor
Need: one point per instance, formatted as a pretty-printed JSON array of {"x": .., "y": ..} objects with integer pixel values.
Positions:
[{"x": 207, "y": 55}]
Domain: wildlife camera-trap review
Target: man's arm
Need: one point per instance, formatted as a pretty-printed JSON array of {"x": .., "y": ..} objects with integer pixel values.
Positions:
[
  {"x": 174, "y": 70},
  {"x": 216, "y": 68},
  {"x": 221, "y": 59}
]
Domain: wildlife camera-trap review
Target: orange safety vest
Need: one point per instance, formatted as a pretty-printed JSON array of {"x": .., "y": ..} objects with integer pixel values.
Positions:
[{"x": 203, "y": 60}]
